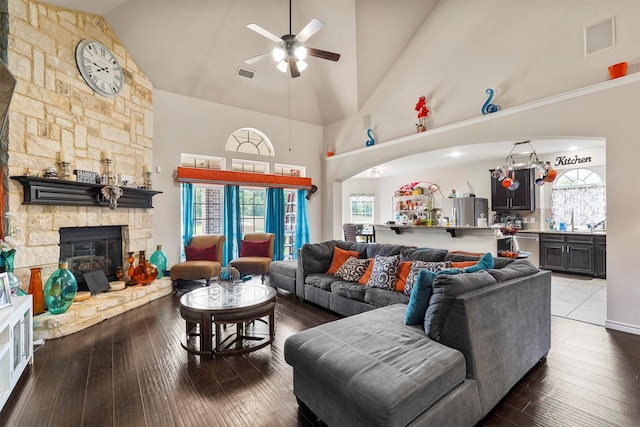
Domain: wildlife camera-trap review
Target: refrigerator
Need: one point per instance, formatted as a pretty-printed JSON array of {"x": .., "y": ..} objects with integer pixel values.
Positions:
[{"x": 465, "y": 210}]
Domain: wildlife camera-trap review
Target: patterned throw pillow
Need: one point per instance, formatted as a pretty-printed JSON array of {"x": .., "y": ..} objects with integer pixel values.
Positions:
[
  {"x": 385, "y": 271},
  {"x": 422, "y": 265},
  {"x": 352, "y": 269}
]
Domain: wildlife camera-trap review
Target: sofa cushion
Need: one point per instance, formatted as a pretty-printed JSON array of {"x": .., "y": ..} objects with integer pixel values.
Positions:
[
  {"x": 423, "y": 254},
  {"x": 317, "y": 257},
  {"x": 340, "y": 256},
  {"x": 388, "y": 372},
  {"x": 379, "y": 297},
  {"x": 498, "y": 262},
  {"x": 351, "y": 290},
  {"x": 445, "y": 289},
  {"x": 485, "y": 262},
  {"x": 420, "y": 295},
  {"x": 403, "y": 273},
  {"x": 383, "y": 249},
  {"x": 416, "y": 267},
  {"x": 385, "y": 271},
  {"x": 352, "y": 269},
  {"x": 320, "y": 280},
  {"x": 518, "y": 268}
]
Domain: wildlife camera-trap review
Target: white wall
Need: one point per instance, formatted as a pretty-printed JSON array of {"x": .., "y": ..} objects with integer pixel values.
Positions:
[
  {"x": 526, "y": 51},
  {"x": 190, "y": 125}
]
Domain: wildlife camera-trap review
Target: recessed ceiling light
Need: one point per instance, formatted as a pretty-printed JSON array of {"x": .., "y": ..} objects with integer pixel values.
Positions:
[
  {"x": 572, "y": 148},
  {"x": 455, "y": 154}
]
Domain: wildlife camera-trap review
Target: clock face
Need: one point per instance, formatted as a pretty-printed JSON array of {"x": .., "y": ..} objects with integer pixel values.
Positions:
[{"x": 99, "y": 68}]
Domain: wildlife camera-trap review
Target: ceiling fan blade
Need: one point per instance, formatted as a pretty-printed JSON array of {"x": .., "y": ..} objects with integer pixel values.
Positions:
[
  {"x": 257, "y": 58},
  {"x": 293, "y": 67},
  {"x": 331, "y": 56},
  {"x": 312, "y": 27},
  {"x": 258, "y": 29}
]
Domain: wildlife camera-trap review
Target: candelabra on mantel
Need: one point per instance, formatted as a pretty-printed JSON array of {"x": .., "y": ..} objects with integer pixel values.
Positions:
[
  {"x": 147, "y": 178},
  {"x": 107, "y": 178},
  {"x": 65, "y": 165}
]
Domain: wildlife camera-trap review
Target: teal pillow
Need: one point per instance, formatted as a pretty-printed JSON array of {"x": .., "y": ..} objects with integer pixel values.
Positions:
[
  {"x": 420, "y": 295},
  {"x": 484, "y": 263}
]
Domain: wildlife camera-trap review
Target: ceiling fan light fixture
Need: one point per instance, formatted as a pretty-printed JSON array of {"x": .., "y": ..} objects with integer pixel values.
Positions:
[
  {"x": 301, "y": 65},
  {"x": 282, "y": 66},
  {"x": 300, "y": 52},
  {"x": 278, "y": 54}
]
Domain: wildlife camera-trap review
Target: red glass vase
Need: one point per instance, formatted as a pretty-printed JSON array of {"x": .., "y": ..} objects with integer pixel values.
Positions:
[
  {"x": 35, "y": 289},
  {"x": 145, "y": 272}
]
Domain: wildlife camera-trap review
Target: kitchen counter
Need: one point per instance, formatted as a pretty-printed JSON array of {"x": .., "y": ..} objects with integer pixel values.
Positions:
[
  {"x": 467, "y": 238},
  {"x": 586, "y": 232}
]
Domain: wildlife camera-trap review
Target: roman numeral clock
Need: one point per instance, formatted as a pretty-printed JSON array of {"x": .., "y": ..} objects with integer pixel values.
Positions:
[{"x": 99, "y": 68}]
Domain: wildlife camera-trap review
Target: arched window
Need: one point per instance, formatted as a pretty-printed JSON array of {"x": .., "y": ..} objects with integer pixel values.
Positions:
[
  {"x": 251, "y": 141},
  {"x": 578, "y": 195}
]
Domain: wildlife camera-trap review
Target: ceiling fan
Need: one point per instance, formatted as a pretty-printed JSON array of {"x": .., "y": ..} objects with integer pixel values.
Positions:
[{"x": 291, "y": 52}]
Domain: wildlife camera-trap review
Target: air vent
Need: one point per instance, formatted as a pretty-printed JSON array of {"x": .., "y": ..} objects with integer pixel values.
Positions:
[
  {"x": 245, "y": 73},
  {"x": 600, "y": 36}
]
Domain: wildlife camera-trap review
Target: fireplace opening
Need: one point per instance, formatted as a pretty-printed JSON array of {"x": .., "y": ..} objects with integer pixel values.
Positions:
[{"x": 88, "y": 249}]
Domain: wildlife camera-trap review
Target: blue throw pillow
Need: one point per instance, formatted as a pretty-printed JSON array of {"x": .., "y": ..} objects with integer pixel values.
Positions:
[
  {"x": 484, "y": 263},
  {"x": 420, "y": 295}
]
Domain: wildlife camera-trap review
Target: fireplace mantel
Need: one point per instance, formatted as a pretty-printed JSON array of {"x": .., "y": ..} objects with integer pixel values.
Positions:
[{"x": 48, "y": 191}]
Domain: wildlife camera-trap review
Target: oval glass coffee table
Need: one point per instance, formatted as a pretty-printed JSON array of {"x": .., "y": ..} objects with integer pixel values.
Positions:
[{"x": 217, "y": 307}]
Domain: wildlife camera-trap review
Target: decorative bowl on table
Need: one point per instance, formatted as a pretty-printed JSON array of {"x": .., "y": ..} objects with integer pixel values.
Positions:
[
  {"x": 229, "y": 278},
  {"x": 509, "y": 230},
  {"x": 508, "y": 254}
]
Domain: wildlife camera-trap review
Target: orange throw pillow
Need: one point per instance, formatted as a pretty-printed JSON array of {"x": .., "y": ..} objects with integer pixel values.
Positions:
[
  {"x": 403, "y": 272},
  {"x": 339, "y": 257},
  {"x": 462, "y": 264},
  {"x": 365, "y": 277}
]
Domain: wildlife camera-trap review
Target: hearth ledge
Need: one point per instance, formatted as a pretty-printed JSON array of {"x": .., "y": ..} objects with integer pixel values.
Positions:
[{"x": 100, "y": 307}]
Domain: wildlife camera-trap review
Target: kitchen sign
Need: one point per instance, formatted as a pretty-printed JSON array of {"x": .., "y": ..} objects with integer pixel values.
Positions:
[{"x": 575, "y": 160}]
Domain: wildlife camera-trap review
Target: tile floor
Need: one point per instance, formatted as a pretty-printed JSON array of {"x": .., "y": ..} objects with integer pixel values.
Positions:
[{"x": 579, "y": 298}]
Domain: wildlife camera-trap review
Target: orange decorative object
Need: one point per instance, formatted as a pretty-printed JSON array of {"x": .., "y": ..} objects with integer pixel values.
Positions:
[
  {"x": 35, "y": 289},
  {"x": 618, "y": 70},
  {"x": 551, "y": 175},
  {"x": 506, "y": 183},
  {"x": 145, "y": 272},
  {"x": 330, "y": 150}
]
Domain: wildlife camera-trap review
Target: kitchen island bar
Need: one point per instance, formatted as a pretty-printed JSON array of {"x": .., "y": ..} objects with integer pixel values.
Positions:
[{"x": 471, "y": 239}]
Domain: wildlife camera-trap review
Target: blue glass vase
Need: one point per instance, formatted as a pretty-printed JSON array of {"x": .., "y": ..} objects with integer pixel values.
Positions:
[
  {"x": 159, "y": 259},
  {"x": 60, "y": 290},
  {"x": 7, "y": 258}
]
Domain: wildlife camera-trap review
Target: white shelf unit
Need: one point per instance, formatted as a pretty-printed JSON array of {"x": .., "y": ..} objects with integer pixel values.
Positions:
[{"x": 16, "y": 344}]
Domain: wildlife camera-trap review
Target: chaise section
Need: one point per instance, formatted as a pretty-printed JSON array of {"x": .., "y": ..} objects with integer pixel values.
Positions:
[
  {"x": 282, "y": 274},
  {"x": 372, "y": 370}
]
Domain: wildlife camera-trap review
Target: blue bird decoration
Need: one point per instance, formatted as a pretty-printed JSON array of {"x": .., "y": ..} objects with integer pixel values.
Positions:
[
  {"x": 371, "y": 141},
  {"x": 488, "y": 107}
]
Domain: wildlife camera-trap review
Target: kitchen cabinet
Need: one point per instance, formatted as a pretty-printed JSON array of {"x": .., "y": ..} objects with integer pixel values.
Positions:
[
  {"x": 601, "y": 256},
  {"x": 573, "y": 253},
  {"x": 16, "y": 344},
  {"x": 521, "y": 199}
]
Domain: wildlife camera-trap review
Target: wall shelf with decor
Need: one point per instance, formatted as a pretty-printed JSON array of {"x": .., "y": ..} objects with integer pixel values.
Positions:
[{"x": 58, "y": 192}]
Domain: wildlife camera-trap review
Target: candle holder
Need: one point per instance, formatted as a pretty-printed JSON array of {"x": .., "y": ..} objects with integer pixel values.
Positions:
[
  {"x": 107, "y": 178},
  {"x": 147, "y": 180},
  {"x": 64, "y": 170}
]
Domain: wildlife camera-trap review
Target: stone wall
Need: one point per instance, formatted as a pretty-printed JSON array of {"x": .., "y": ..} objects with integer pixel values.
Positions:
[{"x": 52, "y": 110}]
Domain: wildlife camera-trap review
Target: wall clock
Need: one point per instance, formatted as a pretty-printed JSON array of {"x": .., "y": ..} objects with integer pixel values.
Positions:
[{"x": 99, "y": 68}]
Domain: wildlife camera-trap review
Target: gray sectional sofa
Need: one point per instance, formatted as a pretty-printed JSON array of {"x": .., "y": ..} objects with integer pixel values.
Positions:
[{"x": 482, "y": 332}]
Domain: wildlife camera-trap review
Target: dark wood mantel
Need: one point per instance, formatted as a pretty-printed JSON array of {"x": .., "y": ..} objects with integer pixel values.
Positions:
[{"x": 47, "y": 191}]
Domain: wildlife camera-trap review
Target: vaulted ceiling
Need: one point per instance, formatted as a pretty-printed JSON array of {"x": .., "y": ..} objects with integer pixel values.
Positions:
[{"x": 194, "y": 48}]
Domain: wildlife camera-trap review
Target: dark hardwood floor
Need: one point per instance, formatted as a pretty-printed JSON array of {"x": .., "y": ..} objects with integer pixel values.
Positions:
[{"x": 131, "y": 371}]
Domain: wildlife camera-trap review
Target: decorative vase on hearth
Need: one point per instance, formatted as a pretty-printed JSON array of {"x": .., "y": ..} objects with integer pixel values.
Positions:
[
  {"x": 159, "y": 259},
  {"x": 35, "y": 289},
  {"x": 145, "y": 272},
  {"x": 60, "y": 290},
  {"x": 130, "y": 260},
  {"x": 7, "y": 259}
]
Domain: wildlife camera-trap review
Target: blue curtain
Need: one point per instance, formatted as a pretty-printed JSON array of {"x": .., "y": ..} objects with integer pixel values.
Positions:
[
  {"x": 186, "y": 203},
  {"x": 302, "y": 221},
  {"x": 275, "y": 220},
  {"x": 232, "y": 222}
]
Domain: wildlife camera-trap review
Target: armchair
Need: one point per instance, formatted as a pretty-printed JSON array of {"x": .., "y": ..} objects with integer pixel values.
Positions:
[
  {"x": 200, "y": 264},
  {"x": 256, "y": 254}
]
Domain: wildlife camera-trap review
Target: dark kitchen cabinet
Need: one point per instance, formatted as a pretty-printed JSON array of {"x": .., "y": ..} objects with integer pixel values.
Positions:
[
  {"x": 601, "y": 256},
  {"x": 573, "y": 253},
  {"x": 522, "y": 199}
]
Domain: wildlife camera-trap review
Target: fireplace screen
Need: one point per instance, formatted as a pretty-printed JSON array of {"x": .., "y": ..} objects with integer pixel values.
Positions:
[{"x": 88, "y": 249}]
